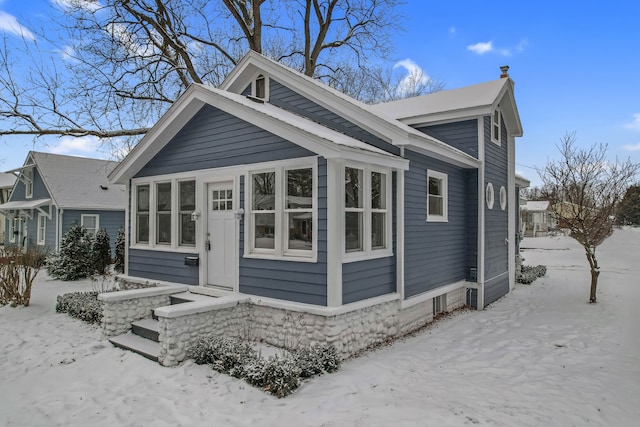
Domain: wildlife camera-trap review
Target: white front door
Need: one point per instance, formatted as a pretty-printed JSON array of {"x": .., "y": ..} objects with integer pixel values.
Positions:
[{"x": 221, "y": 241}]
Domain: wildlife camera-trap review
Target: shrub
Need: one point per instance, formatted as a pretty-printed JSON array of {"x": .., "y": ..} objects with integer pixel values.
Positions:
[
  {"x": 81, "y": 305},
  {"x": 530, "y": 273},
  {"x": 281, "y": 374},
  {"x": 18, "y": 270},
  {"x": 74, "y": 259},
  {"x": 205, "y": 349},
  {"x": 119, "y": 255},
  {"x": 101, "y": 252},
  {"x": 316, "y": 359}
]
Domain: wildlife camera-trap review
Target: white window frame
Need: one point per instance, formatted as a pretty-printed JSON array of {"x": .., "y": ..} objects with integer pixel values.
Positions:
[
  {"x": 96, "y": 216},
  {"x": 172, "y": 211},
  {"x": 174, "y": 244},
  {"x": 12, "y": 230},
  {"x": 496, "y": 126},
  {"x": 368, "y": 252},
  {"x": 489, "y": 195},
  {"x": 281, "y": 237},
  {"x": 42, "y": 229},
  {"x": 28, "y": 183},
  {"x": 503, "y": 197},
  {"x": 444, "y": 178},
  {"x": 179, "y": 213}
]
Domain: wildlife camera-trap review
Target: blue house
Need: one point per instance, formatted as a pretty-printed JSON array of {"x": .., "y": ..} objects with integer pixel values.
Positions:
[
  {"x": 278, "y": 187},
  {"x": 53, "y": 191}
]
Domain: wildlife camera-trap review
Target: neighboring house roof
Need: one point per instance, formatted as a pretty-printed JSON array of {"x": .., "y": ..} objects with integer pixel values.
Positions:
[
  {"x": 78, "y": 182},
  {"x": 465, "y": 102},
  {"x": 7, "y": 180},
  {"x": 536, "y": 206},
  {"x": 297, "y": 129},
  {"x": 522, "y": 182}
]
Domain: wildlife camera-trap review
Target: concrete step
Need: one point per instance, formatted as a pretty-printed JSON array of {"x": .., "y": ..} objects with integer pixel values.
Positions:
[
  {"x": 137, "y": 344},
  {"x": 184, "y": 297},
  {"x": 146, "y": 328}
]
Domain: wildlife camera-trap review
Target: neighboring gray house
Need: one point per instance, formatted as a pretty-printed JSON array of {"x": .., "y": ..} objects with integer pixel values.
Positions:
[
  {"x": 277, "y": 186},
  {"x": 53, "y": 191},
  {"x": 6, "y": 184},
  {"x": 537, "y": 218}
]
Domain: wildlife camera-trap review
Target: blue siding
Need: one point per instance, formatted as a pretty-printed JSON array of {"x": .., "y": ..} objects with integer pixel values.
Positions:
[
  {"x": 289, "y": 280},
  {"x": 286, "y": 98},
  {"x": 496, "y": 220},
  {"x": 368, "y": 279},
  {"x": 112, "y": 221},
  {"x": 461, "y": 135},
  {"x": 167, "y": 266},
  {"x": 39, "y": 189},
  {"x": 214, "y": 139},
  {"x": 436, "y": 253}
]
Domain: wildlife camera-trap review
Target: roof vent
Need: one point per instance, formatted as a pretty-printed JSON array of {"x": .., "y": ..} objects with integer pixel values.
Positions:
[
  {"x": 505, "y": 72},
  {"x": 104, "y": 187}
]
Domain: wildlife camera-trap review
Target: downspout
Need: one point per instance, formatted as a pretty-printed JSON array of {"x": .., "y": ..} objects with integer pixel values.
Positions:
[{"x": 400, "y": 230}]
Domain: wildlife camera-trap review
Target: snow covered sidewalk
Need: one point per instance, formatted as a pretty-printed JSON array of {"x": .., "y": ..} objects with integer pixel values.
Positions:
[{"x": 540, "y": 356}]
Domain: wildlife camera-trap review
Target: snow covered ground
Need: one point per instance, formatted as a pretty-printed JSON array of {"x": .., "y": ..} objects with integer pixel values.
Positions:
[{"x": 540, "y": 356}]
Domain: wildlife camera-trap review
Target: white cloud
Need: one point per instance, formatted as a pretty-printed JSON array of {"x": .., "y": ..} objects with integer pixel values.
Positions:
[
  {"x": 88, "y": 5},
  {"x": 481, "y": 48},
  {"x": 636, "y": 122},
  {"x": 522, "y": 45},
  {"x": 415, "y": 77},
  {"x": 10, "y": 24},
  {"x": 76, "y": 145},
  {"x": 68, "y": 53},
  {"x": 452, "y": 31},
  {"x": 629, "y": 147}
]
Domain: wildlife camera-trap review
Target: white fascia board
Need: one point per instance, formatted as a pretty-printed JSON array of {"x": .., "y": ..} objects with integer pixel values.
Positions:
[
  {"x": 389, "y": 161},
  {"x": 443, "y": 152},
  {"x": 447, "y": 116}
]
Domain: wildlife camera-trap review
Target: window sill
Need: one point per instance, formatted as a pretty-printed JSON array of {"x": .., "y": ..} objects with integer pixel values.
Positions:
[
  {"x": 310, "y": 259},
  {"x": 158, "y": 248},
  {"x": 437, "y": 219},
  {"x": 365, "y": 256}
]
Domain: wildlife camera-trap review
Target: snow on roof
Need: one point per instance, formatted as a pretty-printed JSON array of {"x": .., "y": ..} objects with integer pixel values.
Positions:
[
  {"x": 479, "y": 95},
  {"x": 80, "y": 182},
  {"x": 7, "y": 180},
  {"x": 536, "y": 206}
]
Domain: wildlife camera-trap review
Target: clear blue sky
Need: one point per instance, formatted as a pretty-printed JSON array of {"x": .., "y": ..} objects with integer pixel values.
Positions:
[{"x": 576, "y": 65}]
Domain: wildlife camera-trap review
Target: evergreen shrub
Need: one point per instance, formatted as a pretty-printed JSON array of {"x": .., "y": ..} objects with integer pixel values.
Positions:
[
  {"x": 528, "y": 273},
  {"x": 81, "y": 305}
]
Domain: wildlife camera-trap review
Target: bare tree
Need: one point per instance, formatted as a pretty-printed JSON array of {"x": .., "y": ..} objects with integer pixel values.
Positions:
[
  {"x": 584, "y": 190},
  {"x": 120, "y": 64}
]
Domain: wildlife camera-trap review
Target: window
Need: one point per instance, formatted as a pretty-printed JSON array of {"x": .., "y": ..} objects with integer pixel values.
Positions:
[
  {"x": 28, "y": 185},
  {"x": 42, "y": 229},
  {"x": 496, "y": 119},
  {"x": 282, "y": 212},
  {"x": 503, "y": 198},
  {"x": 187, "y": 228},
  {"x": 489, "y": 195},
  {"x": 163, "y": 213},
  {"x": 91, "y": 223},
  {"x": 437, "y": 197},
  {"x": 12, "y": 230},
  {"x": 366, "y": 211},
  {"x": 440, "y": 304},
  {"x": 259, "y": 87},
  {"x": 142, "y": 213}
]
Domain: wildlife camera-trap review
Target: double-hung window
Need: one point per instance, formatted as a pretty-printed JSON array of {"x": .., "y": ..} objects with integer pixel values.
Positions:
[
  {"x": 42, "y": 229},
  {"x": 91, "y": 223},
  {"x": 28, "y": 185},
  {"x": 187, "y": 205},
  {"x": 142, "y": 213},
  {"x": 496, "y": 126},
  {"x": 367, "y": 221},
  {"x": 163, "y": 213},
  {"x": 437, "y": 197},
  {"x": 282, "y": 212}
]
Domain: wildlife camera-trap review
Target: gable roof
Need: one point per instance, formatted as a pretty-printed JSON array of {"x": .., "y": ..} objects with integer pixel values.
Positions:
[
  {"x": 379, "y": 124},
  {"x": 78, "y": 182},
  {"x": 7, "y": 180},
  {"x": 461, "y": 103},
  {"x": 536, "y": 206}
]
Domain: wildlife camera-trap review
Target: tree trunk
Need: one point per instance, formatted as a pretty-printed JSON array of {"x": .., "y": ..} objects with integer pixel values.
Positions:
[{"x": 595, "y": 272}]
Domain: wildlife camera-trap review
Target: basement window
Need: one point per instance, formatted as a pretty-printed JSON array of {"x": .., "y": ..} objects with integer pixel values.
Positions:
[{"x": 439, "y": 304}]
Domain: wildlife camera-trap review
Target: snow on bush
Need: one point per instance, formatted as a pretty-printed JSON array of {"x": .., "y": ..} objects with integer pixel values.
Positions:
[
  {"x": 119, "y": 255},
  {"x": 74, "y": 259},
  {"x": 279, "y": 375},
  {"x": 81, "y": 305},
  {"x": 530, "y": 273},
  {"x": 18, "y": 270},
  {"x": 101, "y": 252}
]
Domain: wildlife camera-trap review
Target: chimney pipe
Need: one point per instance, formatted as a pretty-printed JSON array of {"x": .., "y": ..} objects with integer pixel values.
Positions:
[{"x": 505, "y": 72}]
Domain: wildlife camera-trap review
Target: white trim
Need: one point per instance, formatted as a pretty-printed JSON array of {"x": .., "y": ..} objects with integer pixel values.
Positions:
[
  {"x": 400, "y": 231},
  {"x": 503, "y": 198},
  {"x": 490, "y": 196},
  {"x": 481, "y": 225},
  {"x": 320, "y": 310},
  {"x": 12, "y": 229},
  {"x": 335, "y": 232},
  {"x": 425, "y": 296},
  {"x": 496, "y": 113},
  {"x": 96, "y": 216},
  {"x": 28, "y": 175},
  {"x": 444, "y": 178},
  {"x": 512, "y": 208}
]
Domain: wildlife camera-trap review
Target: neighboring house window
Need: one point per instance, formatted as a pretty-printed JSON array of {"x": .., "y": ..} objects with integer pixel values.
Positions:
[
  {"x": 142, "y": 213},
  {"x": 28, "y": 185},
  {"x": 12, "y": 230},
  {"x": 91, "y": 223},
  {"x": 503, "y": 198},
  {"x": 367, "y": 195},
  {"x": 437, "y": 197},
  {"x": 42, "y": 229},
  {"x": 496, "y": 126},
  {"x": 163, "y": 213},
  {"x": 282, "y": 211},
  {"x": 187, "y": 228},
  {"x": 489, "y": 195}
]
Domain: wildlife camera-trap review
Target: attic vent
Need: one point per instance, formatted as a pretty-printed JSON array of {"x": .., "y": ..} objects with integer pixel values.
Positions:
[
  {"x": 104, "y": 187},
  {"x": 505, "y": 72}
]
